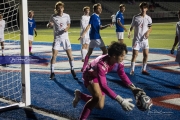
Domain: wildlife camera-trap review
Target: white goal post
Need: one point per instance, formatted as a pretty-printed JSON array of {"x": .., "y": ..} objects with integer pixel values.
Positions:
[{"x": 25, "y": 68}]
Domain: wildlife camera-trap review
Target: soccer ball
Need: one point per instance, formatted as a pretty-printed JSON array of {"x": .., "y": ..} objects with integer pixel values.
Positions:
[{"x": 144, "y": 103}]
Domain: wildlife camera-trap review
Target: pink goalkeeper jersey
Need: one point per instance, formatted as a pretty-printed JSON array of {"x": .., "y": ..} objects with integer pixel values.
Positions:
[{"x": 100, "y": 68}]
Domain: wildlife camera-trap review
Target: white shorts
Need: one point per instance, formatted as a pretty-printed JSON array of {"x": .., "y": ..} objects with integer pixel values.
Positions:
[
  {"x": 141, "y": 45},
  {"x": 120, "y": 35},
  {"x": 85, "y": 41},
  {"x": 31, "y": 37},
  {"x": 113, "y": 20},
  {"x": 64, "y": 42},
  {"x": 2, "y": 39},
  {"x": 96, "y": 43},
  {"x": 178, "y": 55}
]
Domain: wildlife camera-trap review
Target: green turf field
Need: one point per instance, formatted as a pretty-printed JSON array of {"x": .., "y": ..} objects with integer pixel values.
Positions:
[{"x": 162, "y": 35}]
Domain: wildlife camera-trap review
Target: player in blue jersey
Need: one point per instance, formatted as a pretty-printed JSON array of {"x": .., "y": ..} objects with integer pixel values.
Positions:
[
  {"x": 95, "y": 38},
  {"x": 32, "y": 29},
  {"x": 120, "y": 23}
]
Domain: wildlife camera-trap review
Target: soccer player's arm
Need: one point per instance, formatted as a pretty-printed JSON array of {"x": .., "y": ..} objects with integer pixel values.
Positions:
[
  {"x": 87, "y": 28},
  {"x": 123, "y": 76},
  {"x": 149, "y": 28},
  {"x": 175, "y": 40},
  {"x": 50, "y": 23},
  {"x": 105, "y": 26},
  {"x": 119, "y": 22},
  {"x": 68, "y": 24},
  {"x": 101, "y": 70},
  {"x": 83, "y": 25},
  {"x": 131, "y": 28},
  {"x": 135, "y": 90},
  {"x": 125, "y": 103}
]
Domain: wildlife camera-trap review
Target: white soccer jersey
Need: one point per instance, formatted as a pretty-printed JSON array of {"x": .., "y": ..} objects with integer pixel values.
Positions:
[
  {"x": 113, "y": 18},
  {"x": 84, "y": 24},
  {"x": 60, "y": 23},
  {"x": 2, "y": 27},
  {"x": 141, "y": 26}
]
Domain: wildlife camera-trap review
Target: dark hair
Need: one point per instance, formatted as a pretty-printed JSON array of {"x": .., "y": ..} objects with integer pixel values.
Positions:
[
  {"x": 143, "y": 5},
  {"x": 117, "y": 49},
  {"x": 95, "y": 6},
  {"x": 121, "y": 5}
]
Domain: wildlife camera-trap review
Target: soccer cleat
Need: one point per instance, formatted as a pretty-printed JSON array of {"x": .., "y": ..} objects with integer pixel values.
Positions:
[
  {"x": 52, "y": 76},
  {"x": 76, "y": 98},
  {"x": 145, "y": 72},
  {"x": 132, "y": 72},
  {"x": 74, "y": 74}
]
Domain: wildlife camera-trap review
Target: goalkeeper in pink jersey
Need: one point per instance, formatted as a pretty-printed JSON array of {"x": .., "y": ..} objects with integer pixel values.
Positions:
[{"x": 95, "y": 81}]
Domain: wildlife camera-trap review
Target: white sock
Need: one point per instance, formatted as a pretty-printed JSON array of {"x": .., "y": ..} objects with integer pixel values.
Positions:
[
  {"x": 144, "y": 66},
  {"x": 71, "y": 64},
  {"x": 52, "y": 68},
  {"x": 83, "y": 52},
  {"x": 2, "y": 51},
  {"x": 132, "y": 66}
]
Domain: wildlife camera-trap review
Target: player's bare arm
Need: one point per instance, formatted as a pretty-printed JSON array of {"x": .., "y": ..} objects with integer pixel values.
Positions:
[
  {"x": 148, "y": 32},
  {"x": 87, "y": 28},
  {"x": 129, "y": 33},
  {"x": 120, "y": 24},
  {"x": 67, "y": 28},
  {"x": 105, "y": 26}
]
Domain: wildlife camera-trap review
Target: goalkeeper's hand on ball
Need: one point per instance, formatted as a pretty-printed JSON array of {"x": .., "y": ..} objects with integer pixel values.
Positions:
[
  {"x": 138, "y": 92},
  {"x": 125, "y": 103}
]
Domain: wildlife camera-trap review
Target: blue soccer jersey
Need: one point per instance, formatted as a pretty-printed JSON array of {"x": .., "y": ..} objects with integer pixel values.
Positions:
[
  {"x": 31, "y": 26},
  {"x": 119, "y": 16},
  {"x": 95, "y": 26}
]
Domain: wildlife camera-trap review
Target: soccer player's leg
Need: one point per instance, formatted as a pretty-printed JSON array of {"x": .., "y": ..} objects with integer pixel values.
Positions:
[
  {"x": 84, "y": 49},
  {"x": 101, "y": 45},
  {"x": 55, "y": 49},
  {"x": 178, "y": 56},
  {"x": 30, "y": 44},
  {"x": 120, "y": 36},
  {"x": 90, "y": 50},
  {"x": 145, "y": 48},
  {"x": 2, "y": 47},
  {"x": 97, "y": 100},
  {"x": 67, "y": 48},
  {"x": 135, "y": 51}
]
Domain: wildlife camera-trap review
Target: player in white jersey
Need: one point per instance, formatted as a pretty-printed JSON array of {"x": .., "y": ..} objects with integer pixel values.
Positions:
[
  {"x": 61, "y": 23},
  {"x": 177, "y": 40},
  {"x": 113, "y": 17},
  {"x": 142, "y": 27},
  {"x": 2, "y": 27},
  {"x": 85, "y": 40}
]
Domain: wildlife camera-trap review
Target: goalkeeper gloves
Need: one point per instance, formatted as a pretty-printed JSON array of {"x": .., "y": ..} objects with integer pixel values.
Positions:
[
  {"x": 138, "y": 92},
  {"x": 35, "y": 33},
  {"x": 125, "y": 103}
]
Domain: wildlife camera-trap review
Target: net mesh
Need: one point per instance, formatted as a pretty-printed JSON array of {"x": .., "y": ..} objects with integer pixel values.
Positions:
[{"x": 10, "y": 75}]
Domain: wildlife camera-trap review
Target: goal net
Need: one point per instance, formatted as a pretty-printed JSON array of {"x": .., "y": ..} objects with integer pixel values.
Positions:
[{"x": 12, "y": 77}]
